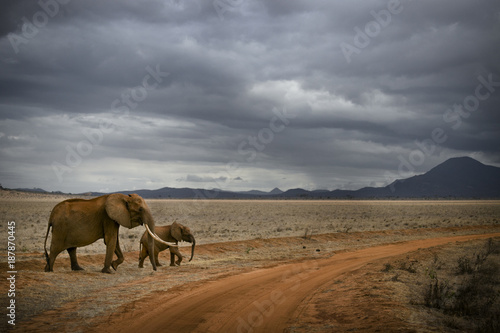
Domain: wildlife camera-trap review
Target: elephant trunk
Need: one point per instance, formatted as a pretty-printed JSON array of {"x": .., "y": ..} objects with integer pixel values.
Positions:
[
  {"x": 151, "y": 244},
  {"x": 192, "y": 247}
]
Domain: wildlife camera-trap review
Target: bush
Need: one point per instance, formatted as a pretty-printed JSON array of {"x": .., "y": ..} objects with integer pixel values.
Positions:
[
  {"x": 438, "y": 294},
  {"x": 464, "y": 265},
  {"x": 387, "y": 267},
  {"x": 408, "y": 265},
  {"x": 475, "y": 295}
]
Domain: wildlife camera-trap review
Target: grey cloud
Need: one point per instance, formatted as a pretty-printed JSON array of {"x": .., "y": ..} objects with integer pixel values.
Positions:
[
  {"x": 227, "y": 74},
  {"x": 201, "y": 179}
]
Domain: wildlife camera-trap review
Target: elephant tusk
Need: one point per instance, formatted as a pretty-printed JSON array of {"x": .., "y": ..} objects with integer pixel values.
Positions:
[{"x": 158, "y": 239}]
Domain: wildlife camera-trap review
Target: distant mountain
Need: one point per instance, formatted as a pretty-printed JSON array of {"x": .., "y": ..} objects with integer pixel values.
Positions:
[
  {"x": 275, "y": 191},
  {"x": 460, "y": 177},
  {"x": 33, "y": 190},
  {"x": 190, "y": 193}
]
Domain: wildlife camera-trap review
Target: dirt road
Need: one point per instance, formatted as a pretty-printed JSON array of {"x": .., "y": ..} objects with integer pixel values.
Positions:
[{"x": 262, "y": 300}]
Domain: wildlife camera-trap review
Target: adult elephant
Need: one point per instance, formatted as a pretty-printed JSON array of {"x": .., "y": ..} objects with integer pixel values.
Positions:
[
  {"x": 175, "y": 232},
  {"x": 80, "y": 222}
]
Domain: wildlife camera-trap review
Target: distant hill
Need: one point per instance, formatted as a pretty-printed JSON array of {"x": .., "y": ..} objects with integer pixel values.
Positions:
[
  {"x": 190, "y": 193},
  {"x": 33, "y": 190},
  {"x": 460, "y": 178},
  {"x": 275, "y": 191},
  {"x": 37, "y": 190}
]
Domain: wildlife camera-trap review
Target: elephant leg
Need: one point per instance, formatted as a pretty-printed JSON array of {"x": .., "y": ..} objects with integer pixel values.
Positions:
[
  {"x": 174, "y": 251},
  {"x": 119, "y": 254},
  {"x": 53, "y": 252},
  {"x": 142, "y": 256},
  {"x": 110, "y": 239},
  {"x": 156, "y": 258},
  {"x": 172, "y": 258},
  {"x": 74, "y": 261}
]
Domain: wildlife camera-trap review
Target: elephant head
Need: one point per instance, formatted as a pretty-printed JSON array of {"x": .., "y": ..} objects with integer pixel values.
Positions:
[
  {"x": 131, "y": 211},
  {"x": 128, "y": 210},
  {"x": 181, "y": 233}
]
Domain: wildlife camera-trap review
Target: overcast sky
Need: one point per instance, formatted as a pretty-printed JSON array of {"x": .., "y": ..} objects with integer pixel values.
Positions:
[{"x": 244, "y": 94}]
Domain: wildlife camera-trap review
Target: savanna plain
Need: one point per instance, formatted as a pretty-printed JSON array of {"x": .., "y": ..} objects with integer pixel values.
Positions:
[{"x": 269, "y": 265}]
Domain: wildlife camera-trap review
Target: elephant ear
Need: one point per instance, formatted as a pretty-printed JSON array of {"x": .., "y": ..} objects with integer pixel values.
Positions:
[
  {"x": 176, "y": 232},
  {"x": 117, "y": 208}
]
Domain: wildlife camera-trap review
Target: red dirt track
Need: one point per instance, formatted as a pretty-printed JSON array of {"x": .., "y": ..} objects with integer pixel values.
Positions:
[{"x": 261, "y": 300}]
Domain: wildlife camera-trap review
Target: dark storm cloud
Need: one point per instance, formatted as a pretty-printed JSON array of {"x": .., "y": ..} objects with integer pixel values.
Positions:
[{"x": 187, "y": 91}]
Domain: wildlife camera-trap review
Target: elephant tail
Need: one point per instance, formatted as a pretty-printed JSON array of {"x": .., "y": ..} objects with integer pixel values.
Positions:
[{"x": 45, "y": 243}]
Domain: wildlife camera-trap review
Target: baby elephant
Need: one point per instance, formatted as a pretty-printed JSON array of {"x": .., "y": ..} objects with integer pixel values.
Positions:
[{"x": 172, "y": 233}]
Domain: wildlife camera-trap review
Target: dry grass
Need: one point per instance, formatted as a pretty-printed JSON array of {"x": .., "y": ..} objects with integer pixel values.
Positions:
[
  {"x": 214, "y": 221},
  {"x": 443, "y": 292}
]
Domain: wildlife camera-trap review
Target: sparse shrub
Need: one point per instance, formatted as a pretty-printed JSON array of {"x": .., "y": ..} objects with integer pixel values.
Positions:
[
  {"x": 387, "y": 267},
  {"x": 408, "y": 265},
  {"x": 438, "y": 294},
  {"x": 466, "y": 299},
  {"x": 492, "y": 247},
  {"x": 307, "y": 234},
  {"x": 431, "y": 272},
  {"x": 476, "y": 295},
  {"x": 468, "y": 265},
  {"x": 437, "y": 264},
  {"x": 345, "y": 228},
  {"x": 472, "y": 303},
  {"x": 464, "y": 265}
]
